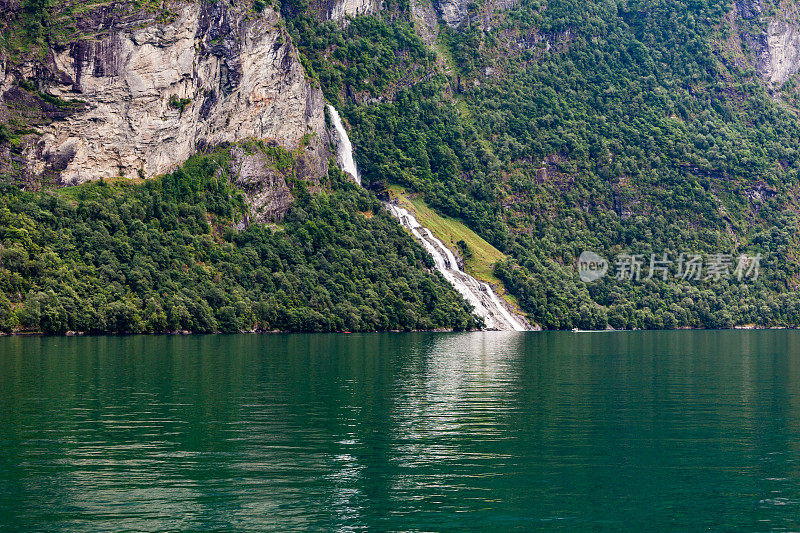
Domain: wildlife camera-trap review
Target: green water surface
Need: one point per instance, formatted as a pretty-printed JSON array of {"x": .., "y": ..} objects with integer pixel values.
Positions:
[{"x": 641, "y": 431}]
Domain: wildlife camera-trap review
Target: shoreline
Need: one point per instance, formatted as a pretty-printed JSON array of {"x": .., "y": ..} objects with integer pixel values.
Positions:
[{"x": 183, "y": 333}]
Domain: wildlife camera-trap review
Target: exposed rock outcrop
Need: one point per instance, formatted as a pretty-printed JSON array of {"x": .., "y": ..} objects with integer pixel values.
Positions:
[
  {"x": 749, "y": 9},
  {"x": 265, "y": 187},
  {"x": 453, "y": 12},
  {"x": 340, "y": 9},
  {"x": 783, "y": 51},
  {"x": 263, "y": 170},
  {"x": 425, "y": 21},
  {"x": 775, "y": 52},
  {"x": 153, "y": 93}
]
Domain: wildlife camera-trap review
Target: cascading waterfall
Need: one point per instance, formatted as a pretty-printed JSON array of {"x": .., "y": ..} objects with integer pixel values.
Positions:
[
  {"x": 343, "y": 146},
  {"x": 486, "y": 302},
  {"x": 488, "y": 305}
]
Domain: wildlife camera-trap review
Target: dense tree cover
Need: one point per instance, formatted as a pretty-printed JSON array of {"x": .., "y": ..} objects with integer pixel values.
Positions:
[
  {"x": 368, "y": 58},
  {"x": 632, "y": 127},
  {"x": 166, "y": 255},
  {"x": 656, "y": 141}
]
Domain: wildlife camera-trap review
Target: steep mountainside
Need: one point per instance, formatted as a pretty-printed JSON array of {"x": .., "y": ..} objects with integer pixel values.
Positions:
[
  {"x": 126, "y": 91},
  {"x": 630, "y": 129},
  {"x": 133, "y": 93},
  {"x": 172, "y": 254}
]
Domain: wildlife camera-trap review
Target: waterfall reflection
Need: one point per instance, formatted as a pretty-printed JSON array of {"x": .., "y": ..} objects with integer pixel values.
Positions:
[
  {"x": 399, "y": 432},
  {"x": 459, "y": 384}
]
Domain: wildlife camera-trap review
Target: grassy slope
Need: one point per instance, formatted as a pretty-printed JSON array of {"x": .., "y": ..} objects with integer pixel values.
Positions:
[{"x": 450, "y": 231}]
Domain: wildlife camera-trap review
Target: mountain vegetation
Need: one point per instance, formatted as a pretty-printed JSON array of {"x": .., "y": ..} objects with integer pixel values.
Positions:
[
  {"x": 633, "y": 127},
  {"x": 619, "y": 127},
  {"x": 173, "y": 254}
]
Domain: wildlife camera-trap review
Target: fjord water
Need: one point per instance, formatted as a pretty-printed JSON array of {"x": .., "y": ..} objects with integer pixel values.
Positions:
[{"x": 412, "y": 432}]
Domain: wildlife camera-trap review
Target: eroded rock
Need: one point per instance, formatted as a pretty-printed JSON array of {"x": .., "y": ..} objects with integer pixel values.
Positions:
[
  {"x": 152, "y": 93},
  {"x": 340, "y": 9}
]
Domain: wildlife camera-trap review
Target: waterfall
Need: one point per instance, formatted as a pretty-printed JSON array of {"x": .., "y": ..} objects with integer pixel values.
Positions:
[
  {"x": 488, "y": 305},
  {"x": 480, "y": 295},
  {"x": 343, "y": 146}
]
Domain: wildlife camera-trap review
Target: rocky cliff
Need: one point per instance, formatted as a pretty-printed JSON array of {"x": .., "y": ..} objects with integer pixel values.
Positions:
[
  {"x": 783, "y": 51},
  {"x": 337, "y": 10},
  {"x": 340, "y": 9},
  {"x": 456, "y": 13},
  {"x": 453, "y": 12},
  {"x": 772, "y": 35},
  {"x": 138, "y": 93}
]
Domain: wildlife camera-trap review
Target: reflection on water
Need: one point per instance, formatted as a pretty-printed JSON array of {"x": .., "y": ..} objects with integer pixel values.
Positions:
[
  {"x": 681, "y": 430},
  {"x": 450, "y": 402}
]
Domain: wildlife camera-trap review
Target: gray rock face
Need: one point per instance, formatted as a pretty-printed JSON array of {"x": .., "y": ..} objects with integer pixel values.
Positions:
[
  {"x": 757, "y": 44},
  {"x": 425, "y": 21},
  {"x": 453, "y": 12},
  {"x": 340, "y": 9},
  {"x": 776, "y": 51},
  {"x": 264, "y": 186},
  {"x": 783, "y": 51},
  {"x": 155, "y": 93},
  {"x": 749, "y": 9},
  {"x": 456, "y": 12}
]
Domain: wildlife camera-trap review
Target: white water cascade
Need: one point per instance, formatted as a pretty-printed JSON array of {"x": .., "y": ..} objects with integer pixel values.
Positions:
[
  {"x": 480, "y": 295},
  {"x": 343, "y": 146},
  {"x": 488, "y": 305}
]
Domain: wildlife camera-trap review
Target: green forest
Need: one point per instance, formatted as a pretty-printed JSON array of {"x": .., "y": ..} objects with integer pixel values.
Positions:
[
  {"x": 617, "y": 127},
  {"x": 166, "y": 256},
  {"x": 549, "y": 128}
]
